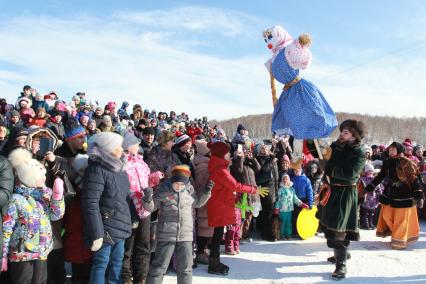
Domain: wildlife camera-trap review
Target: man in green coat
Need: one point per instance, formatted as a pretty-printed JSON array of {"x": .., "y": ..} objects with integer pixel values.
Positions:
[{"x": 339, "y": 216}]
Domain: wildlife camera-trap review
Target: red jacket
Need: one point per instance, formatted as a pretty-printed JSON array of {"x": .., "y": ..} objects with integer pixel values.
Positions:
[
  {"x": 221, "y": 205},
  {"x": 74, "y": 249},
  {"x": 193, "y": 132}
]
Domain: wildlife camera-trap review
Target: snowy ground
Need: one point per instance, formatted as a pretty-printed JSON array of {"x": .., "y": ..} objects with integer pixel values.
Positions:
[{"x": 305, "y": 262}]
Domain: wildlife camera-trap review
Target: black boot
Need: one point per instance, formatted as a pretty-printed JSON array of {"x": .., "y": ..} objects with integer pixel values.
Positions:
[
  {"x": 340, "y": 256},
  {"x": 332, "y": 259},
  {"x": 216, "y": 267}
]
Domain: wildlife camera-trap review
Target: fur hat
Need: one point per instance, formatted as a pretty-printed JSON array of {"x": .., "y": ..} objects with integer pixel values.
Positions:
[
  {"x": 165, "y": 136},
  {"x": 398, "y": 146},
  {"x": 181, "y": 173},
  {"x": 27, "y": 169},
  {"x": 219, "y": 149},
  {"x": 201, "y": 147},
  {"x": 367, "y": 149},
  {"x": 148, "y": 131},
  {"x": 240, "y": 127},
  {"x": 357, "y": 128}
]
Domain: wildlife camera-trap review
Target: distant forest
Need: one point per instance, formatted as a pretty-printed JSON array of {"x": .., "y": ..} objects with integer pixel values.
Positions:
[{"x": 381, "y": 129}]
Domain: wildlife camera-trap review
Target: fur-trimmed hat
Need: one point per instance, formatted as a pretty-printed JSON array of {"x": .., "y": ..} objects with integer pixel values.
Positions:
[
  {"x": 23, "y": 99},
  {"x": 356, "y": 127},
  {"x": 398, "y": 146},
  {"x": 27, "y": 169}
]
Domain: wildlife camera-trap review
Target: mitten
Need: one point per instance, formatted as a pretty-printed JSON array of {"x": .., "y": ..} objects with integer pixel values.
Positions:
[
  {"x": 304, "y": 205},
  {"x": 58, "y": 189},
  {"x": 209, "y": 186},
  {"x": 97, "y": 244},
  {"x": 4, "y": 264},
  {"x": 147, "y": 194},
  {"x": 276, "y": 211},
  {"x": 369, "y": 188}
]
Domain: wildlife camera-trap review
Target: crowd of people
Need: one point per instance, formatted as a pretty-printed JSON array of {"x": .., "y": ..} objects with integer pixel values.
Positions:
[{"x": 125, "y": 196}]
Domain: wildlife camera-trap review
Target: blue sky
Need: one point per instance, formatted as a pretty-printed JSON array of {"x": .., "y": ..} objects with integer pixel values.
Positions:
[{"x": 206, "y": 57}]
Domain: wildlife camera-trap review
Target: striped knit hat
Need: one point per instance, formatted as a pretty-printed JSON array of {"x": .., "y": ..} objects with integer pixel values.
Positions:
[
  {"x": 181, "y": 173},
  {"x": 182, "y": 140}
]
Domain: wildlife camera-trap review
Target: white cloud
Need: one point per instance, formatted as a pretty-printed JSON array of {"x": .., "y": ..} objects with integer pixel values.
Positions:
[
  {"x": 192, "y": 19},
  {"x": 114, "y": 59}
]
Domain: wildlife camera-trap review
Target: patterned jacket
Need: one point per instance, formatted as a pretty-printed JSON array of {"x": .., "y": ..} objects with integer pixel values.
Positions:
[
  {"x": 27, "y": 233},
  {"x": 138, "y": 172},
  {"x": 286, "y": 199}
]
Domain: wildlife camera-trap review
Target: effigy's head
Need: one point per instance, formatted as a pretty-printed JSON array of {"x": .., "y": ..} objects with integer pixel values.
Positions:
[{"x": 276, "y": 37}]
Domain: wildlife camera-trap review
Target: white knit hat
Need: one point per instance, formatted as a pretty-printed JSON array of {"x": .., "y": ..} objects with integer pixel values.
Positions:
[
  {"x": 108, "y": 141},
  {"x": 27, "y": 169}
]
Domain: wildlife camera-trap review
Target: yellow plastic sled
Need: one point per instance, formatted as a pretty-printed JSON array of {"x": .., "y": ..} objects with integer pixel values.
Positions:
[{"x": 307, "y": 224}]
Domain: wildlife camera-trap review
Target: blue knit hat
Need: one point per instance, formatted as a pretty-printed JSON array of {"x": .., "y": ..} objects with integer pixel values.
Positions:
[{"x": 73, "y": 130}]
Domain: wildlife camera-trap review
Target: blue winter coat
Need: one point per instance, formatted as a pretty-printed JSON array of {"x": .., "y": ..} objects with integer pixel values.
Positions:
[
  {"x": 303, "y": 188},
  {"x": 105, "y": 203}
]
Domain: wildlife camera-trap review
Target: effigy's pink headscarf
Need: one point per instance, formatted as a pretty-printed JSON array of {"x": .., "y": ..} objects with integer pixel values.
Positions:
[{"x": 281, "y": 39}]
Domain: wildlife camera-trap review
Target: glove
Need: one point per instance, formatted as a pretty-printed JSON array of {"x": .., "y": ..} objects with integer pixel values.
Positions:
[
  {"x": 419, "y": 203},
  {"x": 4, "y": 264},
  {"x": 276, "y": 211},
  {"x": 97, "y": 244},
  {"x": 209, "y": 186},
  {"x": 147, "y": 194},
  {"x": 58, "y": 189},
  {"x": 304, "y": 206},
  {"x": 369, "y": 188},
  {"x": 262, "y": 191}
]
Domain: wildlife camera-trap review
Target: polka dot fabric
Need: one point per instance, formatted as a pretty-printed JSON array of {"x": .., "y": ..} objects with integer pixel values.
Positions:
[{"x": 302, "y": 110}]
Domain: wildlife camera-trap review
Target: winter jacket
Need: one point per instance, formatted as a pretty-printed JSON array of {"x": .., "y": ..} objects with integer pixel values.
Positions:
[
  {"x": 244, "y": 171},
  {"x": 303, "y": 188},
  {"x": 73, "y": 241},
  {"x": 371, "y": 199},
  {"x": 40, "y": 122},
  {"x": 57, "y": 128},
  {"x": 221, "y": 206},
  {"x": 316, "y": 178},
  {"x": 26, "y": 115},
  {"x": 138, "y": 173},
  {"x": 398, "y": 194},
  {"x": 37, "y": 104},
  {"x": 6, "y": 189},
  {"x": 105, "y": 203},
  {"x": 286, "y": 199},
  {"x": 345, "y": 164},
  {"x": 268, "y": 175},
  {"x": 200, "y": 164},
  {"x": 175, "y": 221},
  {"x": 161, "y": 160},
  {"x": 26, "y": 226}
]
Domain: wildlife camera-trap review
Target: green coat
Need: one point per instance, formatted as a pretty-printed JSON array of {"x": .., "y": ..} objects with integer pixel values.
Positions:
[{"x": 339, "y": 217}]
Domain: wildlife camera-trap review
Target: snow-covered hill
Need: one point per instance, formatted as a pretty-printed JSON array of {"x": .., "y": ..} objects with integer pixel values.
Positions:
[{"x": 297, "y": 261}]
